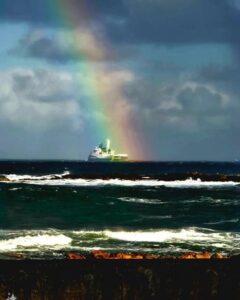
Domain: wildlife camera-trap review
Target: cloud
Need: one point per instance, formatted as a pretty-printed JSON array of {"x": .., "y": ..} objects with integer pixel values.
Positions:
[
  {"x": 138, "y": 21},
  {"x": 45, "y": 98},
  {"x": 43, "y": 115},
  {"x": 64, "y": 46},
  {"x": 38, "y": 99},
  {"x": 174, "y": 103},
  {"x": 63, "y": 115},
  {"x": 177, "y": 21},
  {"x": 218, "y": 73},
  {"x": 49, "y": 13},
  {"x": 185, "y": 118}
]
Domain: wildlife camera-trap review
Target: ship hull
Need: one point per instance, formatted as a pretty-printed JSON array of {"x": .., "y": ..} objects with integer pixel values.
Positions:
[{"x": 99, "y": 159}]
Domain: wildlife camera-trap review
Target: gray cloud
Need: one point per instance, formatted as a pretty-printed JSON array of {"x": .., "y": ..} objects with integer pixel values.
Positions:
[
  {"x": 45, "y": 12},
  {"x": 164, "y": 21},
  {"x": 179, "y": 21},
  {"x": 176, "y": 103},
  {"x": 183, "y": 119},
  {"x": 59, "y": 47},
  {"x": 40, "y": 115},
  {"x": 186, "y": 119},
  {"x": 69, "y": 46},
  {"x": 38, "y": 99},
  {"x": 181, "y": 115},
  {"x": 47, "y": 113},
  {"x": 216, "y": 73}
]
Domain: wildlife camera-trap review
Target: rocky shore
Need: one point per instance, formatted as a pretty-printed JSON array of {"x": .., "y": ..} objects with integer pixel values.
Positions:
[
  {"x": 120, "y": 279},
  {"x": 98, "y": 254}
]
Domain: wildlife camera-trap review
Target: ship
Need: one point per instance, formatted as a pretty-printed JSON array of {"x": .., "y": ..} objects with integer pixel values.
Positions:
[{"x": 103, "y": 153}]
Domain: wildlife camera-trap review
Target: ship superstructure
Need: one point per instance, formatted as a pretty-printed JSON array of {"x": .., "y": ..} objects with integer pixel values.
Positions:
[{"x": 103, "y": 153}]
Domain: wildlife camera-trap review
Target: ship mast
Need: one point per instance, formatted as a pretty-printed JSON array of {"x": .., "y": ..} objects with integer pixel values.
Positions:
[{"x": 108, "y": 145}]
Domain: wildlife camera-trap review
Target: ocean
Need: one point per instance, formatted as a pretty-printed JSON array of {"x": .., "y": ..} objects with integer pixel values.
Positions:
[{"x": 50, "y": 208}]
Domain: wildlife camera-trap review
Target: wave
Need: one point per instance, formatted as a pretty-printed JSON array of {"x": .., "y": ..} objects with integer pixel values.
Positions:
[
  {"x": 61, "y": 180},
  {"x": 15, "y": 189},
  {"x": 43, "y": 241},
  {"x": 190, "y": 234},
  {"x": 223, "y": 222},
  {"x": 141, "y": 200},
  {"x": 161, "y": 236},
  {"x": 158, "y": 217},
  {"x": 17, "y": 178},
  {"x": 35, "y": 241},
  {"x": 211, "y": 200}
]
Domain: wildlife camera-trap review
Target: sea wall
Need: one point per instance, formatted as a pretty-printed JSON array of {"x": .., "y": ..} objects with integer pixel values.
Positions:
[{"x": 120, "y": 279}]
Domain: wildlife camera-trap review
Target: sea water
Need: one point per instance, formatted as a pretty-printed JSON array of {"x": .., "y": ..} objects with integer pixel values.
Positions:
[{"x": 50, "y": 208}]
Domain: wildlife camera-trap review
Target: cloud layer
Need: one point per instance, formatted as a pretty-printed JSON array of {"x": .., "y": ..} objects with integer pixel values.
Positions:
[
  {"x": 170, "y": 66},
  {"x": 38, "y": 99},
  {"x": 165, "y": 21}
]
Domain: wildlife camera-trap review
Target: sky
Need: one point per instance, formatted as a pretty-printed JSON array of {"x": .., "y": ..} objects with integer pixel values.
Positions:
[{"x": 163, "y": 75}]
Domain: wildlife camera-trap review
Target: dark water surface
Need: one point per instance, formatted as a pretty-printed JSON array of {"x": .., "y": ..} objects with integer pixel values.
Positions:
[{"x": 49, "y": 208}]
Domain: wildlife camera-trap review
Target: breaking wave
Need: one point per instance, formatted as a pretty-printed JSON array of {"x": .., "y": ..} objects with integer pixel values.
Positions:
[
  {"x": 223, "y": 222},
  {"x": 160, "y": 236},
  {"x": 145, "y": 240},
  {"x": 62, "y": 180},
  {"x": 141, "y": 200},
  {"x": 19, "y": 178},
  {"x": 35, "y": 242}
]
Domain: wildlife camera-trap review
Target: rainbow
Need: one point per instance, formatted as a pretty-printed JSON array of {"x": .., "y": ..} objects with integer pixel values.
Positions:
[{"x": 101, "y": 85}]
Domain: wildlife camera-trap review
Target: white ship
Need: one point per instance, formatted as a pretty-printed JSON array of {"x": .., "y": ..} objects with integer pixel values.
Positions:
[{"x": 103, "y": 153}]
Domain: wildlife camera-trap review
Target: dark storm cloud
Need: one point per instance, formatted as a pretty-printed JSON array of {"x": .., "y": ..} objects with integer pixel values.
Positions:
[
  {"x": 179, "y": 21},
  {"x": 44, "y": 12},
  {"x": 225, "y": 77},
  {"x": 54, "y": 47},
  {"x": 37, "y": 44},
  {"x": 165, "y": 21},
  {"x": 219, "y": 73},
  {"x": 186, "y": 119},
  {"x": 43, "y": 47},
  {"x": 200, "y": 101},
  {"x": 177, "y": 102},
  {"x": 186, "y": 112}
]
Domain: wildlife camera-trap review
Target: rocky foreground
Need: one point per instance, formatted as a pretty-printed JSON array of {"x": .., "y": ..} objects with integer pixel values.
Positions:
[
  {"x": 105, "y": 255},
  {"x": 120, "y": 279}
]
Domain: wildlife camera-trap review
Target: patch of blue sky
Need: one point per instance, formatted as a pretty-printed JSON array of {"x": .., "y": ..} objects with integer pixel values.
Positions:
[{"x": 10, "y": 34}]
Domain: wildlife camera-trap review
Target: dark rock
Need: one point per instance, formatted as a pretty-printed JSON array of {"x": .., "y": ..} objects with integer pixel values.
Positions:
[
  {"x": 195, "y": 255},
  {"x": 74, "y": 256},
  {"x": 4, "y": 178},
  {"x": 120, "y": 279}
]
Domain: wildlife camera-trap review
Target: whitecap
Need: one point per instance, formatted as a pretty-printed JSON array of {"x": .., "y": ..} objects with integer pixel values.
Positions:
[
  {"x": 20, "y": 178},
  {"x": 158, "y": 217},
  {"x": 236, "y": 220},
  {"x": 141, "y": 200},
  {"x": 15, "y": 189},
  {"x": 190, "y": 235},
  {"x": 34, "y": 241},
  {"x": 50, "y": 180}
]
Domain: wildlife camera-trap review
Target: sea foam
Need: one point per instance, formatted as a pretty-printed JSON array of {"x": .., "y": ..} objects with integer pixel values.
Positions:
[
  {"x": 84, "y": 240},
  {"x": 37, "y": 241},
  {"x": 51, "y": 180}
]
